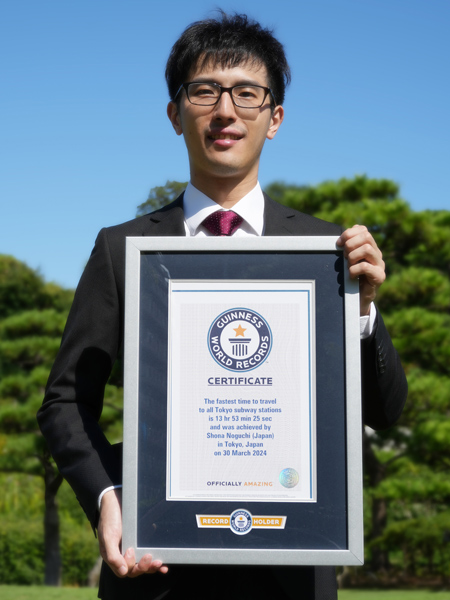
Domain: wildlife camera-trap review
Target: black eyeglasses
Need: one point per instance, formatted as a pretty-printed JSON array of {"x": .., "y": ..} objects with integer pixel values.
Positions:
[{"x": 208, "y": 94}]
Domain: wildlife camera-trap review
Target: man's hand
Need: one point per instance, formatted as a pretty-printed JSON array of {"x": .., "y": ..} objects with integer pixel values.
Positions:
[
  {"x": 110, "y": 536},
  {"x": 364, "y": 261}
]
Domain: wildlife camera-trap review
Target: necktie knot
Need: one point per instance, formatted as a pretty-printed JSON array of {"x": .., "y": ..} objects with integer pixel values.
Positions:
[{"x": 222, "y": 222}]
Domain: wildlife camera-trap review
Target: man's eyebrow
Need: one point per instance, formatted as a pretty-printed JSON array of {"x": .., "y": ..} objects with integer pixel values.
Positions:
[{"x": 239, "y": 82}]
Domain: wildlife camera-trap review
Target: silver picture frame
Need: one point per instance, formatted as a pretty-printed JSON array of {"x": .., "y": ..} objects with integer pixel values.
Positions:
[{"x": 169, "y": 529}]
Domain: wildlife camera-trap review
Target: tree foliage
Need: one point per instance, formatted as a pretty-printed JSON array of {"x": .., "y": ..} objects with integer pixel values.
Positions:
[
  {"x": 407, "y": 466},
  {"x": 32, "y": 319},
  {"x": 22, "y": 534},
  {"x": 22, "y": 288}
]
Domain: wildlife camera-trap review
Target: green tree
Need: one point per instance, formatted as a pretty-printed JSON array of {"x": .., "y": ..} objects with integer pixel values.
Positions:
[
  {"x": 408, "y": 463},
  {"x": 32, "y": 318}
]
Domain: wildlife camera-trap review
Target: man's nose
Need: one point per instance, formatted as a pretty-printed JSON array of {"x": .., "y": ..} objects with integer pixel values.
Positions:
[{"x": 225, "y": 108}]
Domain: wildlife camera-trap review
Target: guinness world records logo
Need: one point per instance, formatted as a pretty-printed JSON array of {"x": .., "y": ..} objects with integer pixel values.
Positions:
[
  {"x": 239, "y": 339},
  {"x": 240, "y": 521}
]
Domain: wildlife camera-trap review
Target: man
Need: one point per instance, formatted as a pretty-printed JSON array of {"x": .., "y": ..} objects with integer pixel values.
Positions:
[{"x": 226, "y": 82}]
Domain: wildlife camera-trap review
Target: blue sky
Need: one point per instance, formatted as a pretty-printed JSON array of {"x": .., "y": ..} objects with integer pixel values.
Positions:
[{"x": 84, "y": 133}]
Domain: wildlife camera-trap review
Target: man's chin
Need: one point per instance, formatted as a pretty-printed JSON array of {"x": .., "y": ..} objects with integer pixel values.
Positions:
[
  {"x": 222, "y": 163},
  {"x": 227, "y": 170}
]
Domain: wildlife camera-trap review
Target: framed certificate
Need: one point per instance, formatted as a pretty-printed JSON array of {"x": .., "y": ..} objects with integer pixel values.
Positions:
[{"x": 242, "y": 419}]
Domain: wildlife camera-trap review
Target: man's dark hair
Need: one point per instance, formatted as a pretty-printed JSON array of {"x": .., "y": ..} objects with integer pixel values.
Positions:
[{"x": 228, "y": 41}]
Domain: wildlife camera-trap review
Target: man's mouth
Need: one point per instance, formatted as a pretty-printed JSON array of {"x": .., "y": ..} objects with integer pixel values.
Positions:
[{"x": 224, "y": 136}]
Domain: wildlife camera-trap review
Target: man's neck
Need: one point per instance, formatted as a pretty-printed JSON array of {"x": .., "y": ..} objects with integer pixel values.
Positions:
[{"x": 225, "y": 191}]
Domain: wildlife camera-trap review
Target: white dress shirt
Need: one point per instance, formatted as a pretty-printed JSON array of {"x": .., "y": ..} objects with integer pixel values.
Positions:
[{"x": 197, "y": 207}]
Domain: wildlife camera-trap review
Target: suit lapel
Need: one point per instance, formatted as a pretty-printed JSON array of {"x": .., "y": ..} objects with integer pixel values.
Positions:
[
  {"x": 168, "y": 221},
  {"x": 277, "y": 218},
  {"x": 282, "y": 220}
]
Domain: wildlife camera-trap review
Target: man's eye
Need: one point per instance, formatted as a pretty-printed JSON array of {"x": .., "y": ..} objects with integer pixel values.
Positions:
[
  {"x": 246, "y": 92},
  {"x": 204, "y": 91}
]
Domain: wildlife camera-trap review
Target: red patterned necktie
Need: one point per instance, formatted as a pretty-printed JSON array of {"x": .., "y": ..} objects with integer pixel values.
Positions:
[{"x": 222, "y": 222}]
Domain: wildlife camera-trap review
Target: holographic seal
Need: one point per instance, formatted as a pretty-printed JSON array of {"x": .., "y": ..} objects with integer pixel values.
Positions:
[
  {"x": 240, "y": 521},
  {"x": 289, "y": 478}
]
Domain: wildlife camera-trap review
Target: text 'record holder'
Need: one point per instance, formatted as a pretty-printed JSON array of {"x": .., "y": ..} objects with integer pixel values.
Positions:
[{"x": 242, "y": 414}]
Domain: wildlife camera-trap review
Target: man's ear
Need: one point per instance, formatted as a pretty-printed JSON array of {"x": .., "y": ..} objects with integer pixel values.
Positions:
[
  {"x": 275, "y": 122},
  {"x": 174, "y": 116}
]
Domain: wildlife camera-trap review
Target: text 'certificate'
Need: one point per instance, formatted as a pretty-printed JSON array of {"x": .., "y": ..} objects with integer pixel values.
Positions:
[{"x": 241, "y": 391}]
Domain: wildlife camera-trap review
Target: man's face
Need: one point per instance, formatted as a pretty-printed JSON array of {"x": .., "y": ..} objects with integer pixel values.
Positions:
[{"x": 225, "y": 141}]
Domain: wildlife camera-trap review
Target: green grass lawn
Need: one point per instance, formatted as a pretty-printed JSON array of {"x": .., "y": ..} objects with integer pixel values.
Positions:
[
  {"x": 37, "y": 592},
  {"x": 34, "y": 592}
]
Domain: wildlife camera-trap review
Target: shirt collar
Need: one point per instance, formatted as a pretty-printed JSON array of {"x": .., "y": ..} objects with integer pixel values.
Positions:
[{"x": 197, "y": 206}]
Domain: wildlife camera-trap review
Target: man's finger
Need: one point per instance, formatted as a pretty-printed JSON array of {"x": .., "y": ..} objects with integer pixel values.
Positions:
[
  {"x": 116, "y": 562},
  {"x": 147, "y": 565},
  {"x": 130, "y": 559},
  {"x": 366, "y": 254}
]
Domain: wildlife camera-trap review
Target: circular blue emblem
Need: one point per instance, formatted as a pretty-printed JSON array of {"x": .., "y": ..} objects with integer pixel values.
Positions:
[
  {"x": 241, "y": 521},
  {"x": 240, "y": 339}
]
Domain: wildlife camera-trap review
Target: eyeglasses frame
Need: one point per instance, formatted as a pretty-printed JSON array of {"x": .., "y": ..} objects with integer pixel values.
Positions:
[{"x": 222, "y": 89}]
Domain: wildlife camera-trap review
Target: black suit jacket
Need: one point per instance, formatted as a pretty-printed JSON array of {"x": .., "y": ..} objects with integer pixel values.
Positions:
[{"x": 91, "y": 343}]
